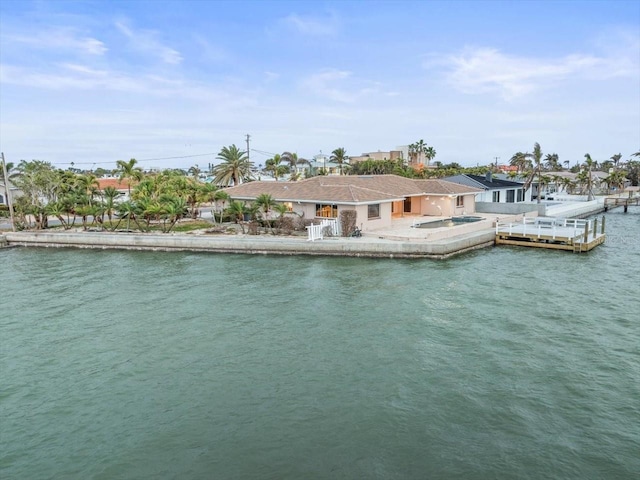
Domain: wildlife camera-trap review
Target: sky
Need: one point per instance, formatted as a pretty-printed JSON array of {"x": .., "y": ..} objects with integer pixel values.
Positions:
[{"x": 170, "y": 83}]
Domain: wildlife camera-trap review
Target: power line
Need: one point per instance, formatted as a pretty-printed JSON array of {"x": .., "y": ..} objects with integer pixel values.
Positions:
[{"x": 142, "y": 160}]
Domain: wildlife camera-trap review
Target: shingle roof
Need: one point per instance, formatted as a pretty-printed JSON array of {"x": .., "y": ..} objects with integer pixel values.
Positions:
[
  {"x": 479, "y": 181},
  {"x": 350, "y": 189}
]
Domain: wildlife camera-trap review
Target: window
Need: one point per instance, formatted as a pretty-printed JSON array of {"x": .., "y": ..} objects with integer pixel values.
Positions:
[
  {"x": 520, "y": 195},
  {"x": 496, "y": 196},
  {"x": 373, "y": 211},
  {"x": 510, "y": 196},
  {"x": 459, "y": 201},
  {"x": 407, "y": 205},
  {"x": 326, "y": 210}
]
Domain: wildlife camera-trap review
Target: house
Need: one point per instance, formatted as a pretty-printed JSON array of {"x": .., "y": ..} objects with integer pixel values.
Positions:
[
  {"x": 14, "y": 192},
  {"x": 494, "y": 189},
  {"x": 377, "y": 199},
  {"x": 121, "y": 186}
]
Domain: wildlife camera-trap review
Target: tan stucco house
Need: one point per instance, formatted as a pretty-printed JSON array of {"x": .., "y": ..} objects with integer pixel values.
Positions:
[{"x": 377, "y": 199}]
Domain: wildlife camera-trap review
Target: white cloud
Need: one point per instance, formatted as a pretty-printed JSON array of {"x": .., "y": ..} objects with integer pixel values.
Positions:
[
  {"x": 488, "y": 70},
  {"x": 485, "y": 70},
  {"x": 313, "y": 26},
  {"x": 146, "y": 41},
  {"x": 340, "y": 86},
  {"x": 61, "y": 39}
]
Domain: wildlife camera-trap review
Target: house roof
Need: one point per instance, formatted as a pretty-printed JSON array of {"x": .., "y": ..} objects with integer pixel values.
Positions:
[
  {"x": 115, "y": 183},
  {"x": 349, "y": 189},
  {"x": 482, "y": 182}
]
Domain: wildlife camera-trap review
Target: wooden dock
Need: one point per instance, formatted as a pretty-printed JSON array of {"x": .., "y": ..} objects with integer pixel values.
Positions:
[
  {"x": 612, "y": 202},
  {"x": 553, "y": 233}
]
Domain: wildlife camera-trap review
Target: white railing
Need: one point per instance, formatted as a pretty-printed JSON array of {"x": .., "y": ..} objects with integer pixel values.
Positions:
[
  {"x": 316, "y": 232},
  {"x": 547, "y": 226}
]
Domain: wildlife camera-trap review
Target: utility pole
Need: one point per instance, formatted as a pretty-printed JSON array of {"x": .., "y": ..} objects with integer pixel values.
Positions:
[
  {"x": 7, "y": 191},
  {"x": 248, "y": 150},
  {"x": 496, "y": 159}
]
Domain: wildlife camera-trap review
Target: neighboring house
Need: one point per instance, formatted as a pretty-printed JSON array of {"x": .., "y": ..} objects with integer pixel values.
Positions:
[
  {"x": 121, "y": 185},
  {"x": 14, "y": 192},
  {"x": 494, "y": 189},
  {"x": 322, "y": 162},
  {"x": 377, "y": 199}
]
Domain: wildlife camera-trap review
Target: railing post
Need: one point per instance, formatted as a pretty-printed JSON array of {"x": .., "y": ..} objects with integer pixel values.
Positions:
[
  {"x": 595, "y": 227},
  {"x": 586, "y": 232}
]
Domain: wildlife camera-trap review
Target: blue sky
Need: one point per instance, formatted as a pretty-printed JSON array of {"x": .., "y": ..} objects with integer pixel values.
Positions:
[{"x": 98, "y": 81}]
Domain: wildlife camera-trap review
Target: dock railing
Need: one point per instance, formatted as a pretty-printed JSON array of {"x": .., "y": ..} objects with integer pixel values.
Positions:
[{"x": 565, "y": 228}]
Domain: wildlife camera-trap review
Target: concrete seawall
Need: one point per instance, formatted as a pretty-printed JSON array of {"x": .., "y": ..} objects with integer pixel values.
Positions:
[{"x": 353, "y": 247}]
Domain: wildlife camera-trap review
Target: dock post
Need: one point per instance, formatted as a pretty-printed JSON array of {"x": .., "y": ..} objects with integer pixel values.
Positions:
[
  {"x": 586, "y": 232},
  {"x": 603, "y": 219},
  {"x": 595, "y": 227}
]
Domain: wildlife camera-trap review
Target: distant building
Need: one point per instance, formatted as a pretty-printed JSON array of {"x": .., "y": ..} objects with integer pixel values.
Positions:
[{"x": 379, "y": 155}]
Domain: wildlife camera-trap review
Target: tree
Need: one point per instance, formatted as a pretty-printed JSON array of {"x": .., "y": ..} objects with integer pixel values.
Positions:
[
  {"x": 109, "y": 196},
  {"x": 633, "y": 172},
  {"x": 222, "y": 197},
  {"x": 236, "y": 210},
  {"x": 8, "y": 170},
  {"x": 615, "y": 180},
  {"x": 339, "y": 156},
  {"x": 234, "y": 169},
  {"x": 616, "y": 159},
  {"x": 265, "y": 202},
  {"x": 276, "y": 167},
  {"x": 40, "y": 184},
  {"x": 430, "y": 154},
  {"x": 293, "y": 161},
  {"x": 589, "y": 165},
  {"x": 552, "y": 162},
  {"x": 129, "y": 171},
  {"x": 530, "y": 164}
]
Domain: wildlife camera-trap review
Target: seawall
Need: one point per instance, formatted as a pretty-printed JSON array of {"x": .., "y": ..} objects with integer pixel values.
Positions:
[{"x": 352, "y": 247}]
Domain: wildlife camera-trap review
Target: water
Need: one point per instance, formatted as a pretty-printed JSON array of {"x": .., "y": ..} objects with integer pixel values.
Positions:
[
  {"x": 449, "y": 222},
  {"x": 502, "y": 363}
]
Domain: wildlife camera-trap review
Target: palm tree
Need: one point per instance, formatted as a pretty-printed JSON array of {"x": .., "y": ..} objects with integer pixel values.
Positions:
[
  {"x": 7, "y": 168},
  {"x": 552, "y": 162},
  {"x": 109, "y": 196},
  {"x": 235, "y": 167},
  {"x": 88, "y": 185},
  {"x": 129, "y": 171},
  {"x": 589, "y": 164},
  {"x": 521, "y": 161},
  {"x": 265, "y": 202},
  {"x": 222, "y": 197},
  {"x": 275, "y": 166},
  {"x": 615, "y": 179},
  {"x": 616, "y": 159},
  {"x": 293, "y": 161},
  {"x": 339, "y": 156},
  {"x": 430, "y": 154},
  {"x": 236, "y": 210}
]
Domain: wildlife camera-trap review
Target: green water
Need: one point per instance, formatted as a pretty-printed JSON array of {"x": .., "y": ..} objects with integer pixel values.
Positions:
[{"x": 502, "y": 363}]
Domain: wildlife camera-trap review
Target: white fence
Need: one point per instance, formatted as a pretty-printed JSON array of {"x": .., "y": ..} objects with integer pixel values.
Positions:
[
  {"x": 548, "y": 226},
  {"x": 316, "y": 232}
]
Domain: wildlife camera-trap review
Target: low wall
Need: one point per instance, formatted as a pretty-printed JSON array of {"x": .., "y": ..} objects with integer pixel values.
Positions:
[
  {"x": 576, "y": 209},
  {"x": 253, "y": 245},
  {"x": 510, "y": 208}
]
